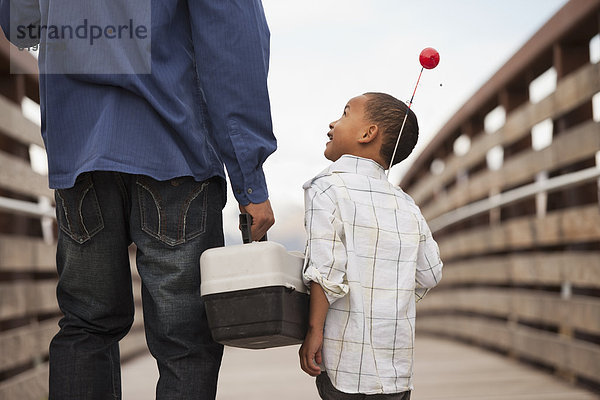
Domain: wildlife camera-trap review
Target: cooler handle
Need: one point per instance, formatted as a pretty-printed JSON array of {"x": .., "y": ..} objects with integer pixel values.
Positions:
[{"x": 246, "y": 228}]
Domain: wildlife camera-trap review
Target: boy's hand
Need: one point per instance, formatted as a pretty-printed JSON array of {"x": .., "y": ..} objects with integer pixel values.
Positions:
[
  {"x": 310, "y": 352},
  {"x": 262, "y": 218}
]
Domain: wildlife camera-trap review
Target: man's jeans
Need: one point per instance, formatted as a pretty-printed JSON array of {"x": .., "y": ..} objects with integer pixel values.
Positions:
[{"x": 171, "y": 223}]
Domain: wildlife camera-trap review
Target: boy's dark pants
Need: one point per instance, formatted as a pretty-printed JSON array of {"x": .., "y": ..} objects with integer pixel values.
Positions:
[
  {"x": 328, "y": 392},
  {"x": 172, "y": 223}
]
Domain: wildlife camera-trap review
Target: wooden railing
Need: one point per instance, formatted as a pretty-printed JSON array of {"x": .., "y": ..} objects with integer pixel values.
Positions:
[
  {"x": 521, "y": 243},
  {"x": 29, "y": 313},
  {"x": 578, "y": 143}
]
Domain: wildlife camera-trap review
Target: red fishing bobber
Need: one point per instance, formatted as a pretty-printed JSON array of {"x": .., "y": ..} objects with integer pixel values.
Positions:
[{"x": 429, "y": 58}]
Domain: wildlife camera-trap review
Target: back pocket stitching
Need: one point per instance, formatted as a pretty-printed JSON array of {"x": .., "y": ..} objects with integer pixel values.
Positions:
[
  {"x": 182, "y": 237},
  {"x": 157, "y": 202},
  {"x": 187, "y": 204},
  {"x": 66, "y": 229},
  {"x": 69, "y": 228},
  {"x": 96, "y": 209}
]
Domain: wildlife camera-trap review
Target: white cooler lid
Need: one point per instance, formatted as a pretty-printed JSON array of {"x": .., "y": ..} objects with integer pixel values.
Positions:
[{"x": 250, "y": 266}]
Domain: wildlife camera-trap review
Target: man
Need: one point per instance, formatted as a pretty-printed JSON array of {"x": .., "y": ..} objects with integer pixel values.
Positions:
[{"x": 142, "y": 103}]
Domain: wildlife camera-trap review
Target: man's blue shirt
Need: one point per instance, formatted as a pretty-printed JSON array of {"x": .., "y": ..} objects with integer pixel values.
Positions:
[{"x": 204, "y": 103}]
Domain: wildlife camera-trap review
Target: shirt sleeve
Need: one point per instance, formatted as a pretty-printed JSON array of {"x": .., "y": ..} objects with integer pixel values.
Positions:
[
  {"x": 231, "y": 46},
  {"x": 325, "y": 259},
  {"x": 20, "y": 20},
  {"x": 429, "y": 263}
]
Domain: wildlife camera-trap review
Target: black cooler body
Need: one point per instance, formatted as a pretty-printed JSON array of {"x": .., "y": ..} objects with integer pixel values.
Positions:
[
  {"x": 254, "y": 295},
  {"x": 258, "y": 318}
]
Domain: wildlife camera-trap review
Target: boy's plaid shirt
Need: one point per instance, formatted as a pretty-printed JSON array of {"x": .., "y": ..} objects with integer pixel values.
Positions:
[{"x": 371, "y": 250}]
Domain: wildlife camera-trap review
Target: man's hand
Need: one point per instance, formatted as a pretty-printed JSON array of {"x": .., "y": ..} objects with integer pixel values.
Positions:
[
  {"x": 262, "y": 218},
  {"x": 310, "y": 352}
]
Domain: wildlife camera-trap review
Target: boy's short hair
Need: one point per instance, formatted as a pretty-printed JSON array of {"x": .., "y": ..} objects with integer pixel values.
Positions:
[{"x": 387, "y": 112}]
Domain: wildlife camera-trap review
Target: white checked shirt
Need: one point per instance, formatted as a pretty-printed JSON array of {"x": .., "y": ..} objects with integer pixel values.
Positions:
[{"x": 371, "y": 250}]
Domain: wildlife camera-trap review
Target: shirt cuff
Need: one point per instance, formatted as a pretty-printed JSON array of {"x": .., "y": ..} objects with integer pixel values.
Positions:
[
  {"x": 252, "y": 188},
  {"x": 332, "y": 290}
]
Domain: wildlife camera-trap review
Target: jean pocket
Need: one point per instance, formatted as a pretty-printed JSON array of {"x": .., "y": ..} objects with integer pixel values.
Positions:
[
  {"x": 172, "y": 211},
  {"x": 78, "y": 211}
]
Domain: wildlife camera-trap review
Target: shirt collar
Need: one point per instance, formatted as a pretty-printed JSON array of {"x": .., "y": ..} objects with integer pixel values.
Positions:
[{"x": 354, "y": 165}]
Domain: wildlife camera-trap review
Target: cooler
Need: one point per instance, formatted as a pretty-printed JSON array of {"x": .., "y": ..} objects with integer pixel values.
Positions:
[{"x": 254, "y": 295}]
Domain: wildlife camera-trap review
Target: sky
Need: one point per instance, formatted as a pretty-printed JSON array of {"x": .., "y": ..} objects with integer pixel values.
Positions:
[{"x": 324, "y": 52}]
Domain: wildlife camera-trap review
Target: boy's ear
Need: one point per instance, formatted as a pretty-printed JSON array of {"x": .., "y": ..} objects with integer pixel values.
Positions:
[{"x": 369, "y": 135}]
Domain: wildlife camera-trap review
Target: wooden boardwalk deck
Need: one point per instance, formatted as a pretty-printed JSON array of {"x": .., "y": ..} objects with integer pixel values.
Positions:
[
  {"x": 444, "y": 369},
  {"x": 447, "y": 369}
]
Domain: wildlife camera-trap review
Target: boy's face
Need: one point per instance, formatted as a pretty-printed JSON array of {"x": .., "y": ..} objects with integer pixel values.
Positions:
[{"x": 344, "y": 134}]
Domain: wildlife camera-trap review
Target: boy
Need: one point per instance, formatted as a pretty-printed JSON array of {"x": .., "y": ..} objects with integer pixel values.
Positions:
[{"x": 369, "y": 256}]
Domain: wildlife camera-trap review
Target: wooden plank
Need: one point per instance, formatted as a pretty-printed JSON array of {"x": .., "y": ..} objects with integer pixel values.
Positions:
[
  {"x": 25, "y": 344},
  {"x": 548, "y": 268},
  {"x": 584, "y": 359},
  {"x": 29, "y": 385},
  {"x": 580, "y": 143},
  {"x": 13, "y": 300},
  {"x": 484, "y": 332},
  {"x": 16, "y": 175},
  {"x": 572, "y": 91},
  {"x": 16, "y": 347},
  {"x": 29, "y": 343},
  {"x": 26, "y": 254},
  {"x": 581, "y": 358},
  {"x": 579, "y": 268},
  {"x": 577, "y": 224},
  {"x": 33, "y": 384},
  {"x": 577, "y": 312},
  {"x": 14, "y": 125},
  {"x": 488, "y": 301},
  {"x": 582, "y": 313},
  {"x": 42, "y": 300},
  {"x": 489, "y": 270},
  {"x": 23, "y": 298},
  {"x": 446, "y": 369},
  {"x": 576, "y": 356}
]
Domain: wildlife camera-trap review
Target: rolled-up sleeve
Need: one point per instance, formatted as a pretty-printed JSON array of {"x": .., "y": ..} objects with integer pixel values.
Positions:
[
  {"x": 325, "y": 261},
  {"x": 231, "y": 46}
]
